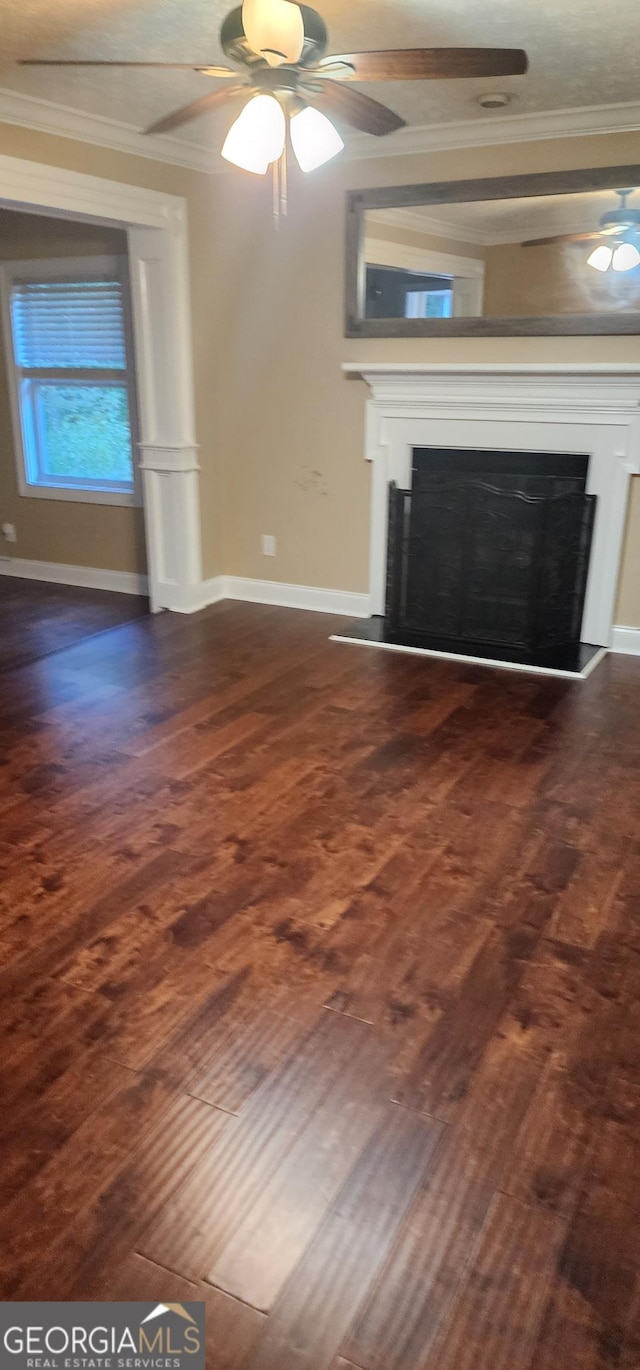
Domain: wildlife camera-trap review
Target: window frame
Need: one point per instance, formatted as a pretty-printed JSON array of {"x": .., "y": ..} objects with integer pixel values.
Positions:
[
  {"x": 440, "y": 294},
  {"x": 71, "y": 269}
]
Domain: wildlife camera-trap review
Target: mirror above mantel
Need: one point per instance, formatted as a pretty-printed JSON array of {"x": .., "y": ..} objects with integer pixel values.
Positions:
[{"x": 557, "y": 253}]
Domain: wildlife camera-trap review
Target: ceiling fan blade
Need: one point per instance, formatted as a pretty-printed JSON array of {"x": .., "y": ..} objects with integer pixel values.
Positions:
[
  {"x": 425, "y": 64},
  {"x": 196, "y": 108},
  {"x": 356, "y": 109},
  {"x": 562, "y": 238},
  {"x": 176, "y": 66}
]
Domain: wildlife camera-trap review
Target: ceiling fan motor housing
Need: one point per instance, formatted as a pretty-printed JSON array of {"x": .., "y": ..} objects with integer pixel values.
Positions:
[
  {"x": 235, "y": 46},
  {"x": 621, "y": 218}
]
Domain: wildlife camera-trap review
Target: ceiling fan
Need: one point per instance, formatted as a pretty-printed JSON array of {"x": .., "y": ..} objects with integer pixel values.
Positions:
[
  {"x": 279, "y": 47},
  {"x": 622, "y": 225}
]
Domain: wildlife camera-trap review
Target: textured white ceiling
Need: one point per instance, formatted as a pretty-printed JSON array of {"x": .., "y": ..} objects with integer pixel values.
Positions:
[{"x": 582, "y": 52}]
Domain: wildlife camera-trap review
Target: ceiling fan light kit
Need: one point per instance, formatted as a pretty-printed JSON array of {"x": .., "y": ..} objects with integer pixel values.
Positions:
[
  {"x": 281, "y": 45},
  {"x": 314, "y": 139},
  {"x": 274, "y": 30},
  {"x": 621, "y": 224},
  {"x": 600, "y": 258},
  {"x": 258, "y": 135},
  {"x": 625, "y": 257},
  {"x": 622, "y": 258}
]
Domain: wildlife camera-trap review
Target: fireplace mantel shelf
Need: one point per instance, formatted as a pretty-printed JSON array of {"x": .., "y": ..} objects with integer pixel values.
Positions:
[
  {"x": 362, "y": 369},
  {"x": 607, "y": 388}
]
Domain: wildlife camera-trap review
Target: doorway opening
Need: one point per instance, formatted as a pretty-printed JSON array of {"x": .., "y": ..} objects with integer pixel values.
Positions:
[
  {"x": 143, "y": 396},
  {"x": 72, "y": 541}
]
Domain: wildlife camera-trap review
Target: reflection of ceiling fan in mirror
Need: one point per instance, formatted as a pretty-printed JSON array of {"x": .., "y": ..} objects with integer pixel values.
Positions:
[
  {"x": 621, "y": 225},
  {"x": 279, "y": 46}
]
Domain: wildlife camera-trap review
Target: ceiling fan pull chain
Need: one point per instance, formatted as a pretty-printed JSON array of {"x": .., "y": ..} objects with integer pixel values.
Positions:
[
  {"x": 276, "y": 194},
  {"x": 284, "y": 190},
  {"x": 280, "y": 191}
]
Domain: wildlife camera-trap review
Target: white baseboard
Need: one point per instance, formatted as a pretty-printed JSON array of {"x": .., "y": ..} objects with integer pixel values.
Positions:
[
  {"x": 350, "y": 605},
  {"x": 206, "y": 593},
  {"x": 625, "y": 640},
  {"x": 286, "y": 596},
  {"x": 90, "y": 577}
]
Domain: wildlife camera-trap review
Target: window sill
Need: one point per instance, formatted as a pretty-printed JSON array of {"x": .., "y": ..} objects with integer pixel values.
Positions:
[{"x": 72, "y": 496}]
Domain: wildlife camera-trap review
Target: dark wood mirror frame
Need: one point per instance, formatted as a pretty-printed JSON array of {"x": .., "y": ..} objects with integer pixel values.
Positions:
[{"x": 456, "y": 192}]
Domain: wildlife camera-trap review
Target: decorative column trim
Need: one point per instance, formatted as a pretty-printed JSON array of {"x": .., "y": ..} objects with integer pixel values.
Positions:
[{"x": 156, "y": 457}]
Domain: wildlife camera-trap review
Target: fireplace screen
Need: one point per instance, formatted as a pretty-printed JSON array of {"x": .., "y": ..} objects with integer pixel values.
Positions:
[{"x": 493, "y": 558}]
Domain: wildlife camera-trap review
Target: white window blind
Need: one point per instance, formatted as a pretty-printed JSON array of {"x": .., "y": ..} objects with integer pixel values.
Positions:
[{"x": 68, "y": 324}]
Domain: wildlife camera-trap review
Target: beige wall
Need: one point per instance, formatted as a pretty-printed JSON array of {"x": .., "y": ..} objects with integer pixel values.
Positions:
[
  {"x": 628, "y": 606},
  {"x": 106, "y": 536},
  {"x": 293, "y": 427},
  {"x": 280, "y": 430},
  {"x": 554, "y": 280}
]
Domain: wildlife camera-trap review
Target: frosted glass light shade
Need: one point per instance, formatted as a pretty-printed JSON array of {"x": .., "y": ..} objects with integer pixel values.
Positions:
[
  {"x": 600, "y": 258},
  {"x": 314, "y": 139},
  {"x": 257, "y": 136},
  {"x": 274, "y": 29},
  {"x": 625, "y": 257}
]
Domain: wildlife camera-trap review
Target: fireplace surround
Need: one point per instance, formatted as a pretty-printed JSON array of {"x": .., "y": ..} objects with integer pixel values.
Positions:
[{"x": 583, "y": 411}]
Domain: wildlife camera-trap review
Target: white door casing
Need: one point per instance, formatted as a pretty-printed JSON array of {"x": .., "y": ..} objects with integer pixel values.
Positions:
[{"x": 156, "y": 226}]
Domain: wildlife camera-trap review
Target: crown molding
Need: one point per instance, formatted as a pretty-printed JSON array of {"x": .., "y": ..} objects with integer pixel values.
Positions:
[
  {"x": 446, "y": 228},
  {"x": 413, "y": 222},
  {"x": 487, "y": 130},
  {"x": 28, "y": 111}
]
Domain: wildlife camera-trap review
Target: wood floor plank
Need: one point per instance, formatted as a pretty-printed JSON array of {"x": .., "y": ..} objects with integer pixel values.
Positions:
[
  {"x": 82, "y": 1166},
  {"x": 266, "y": 1246},
  {"x": 592, "y": 1314},
  {"x": 42, "y": 1121},
  {"x": 94, "y": 1240},
  {"x": 397, "y": 1327},
  {"x": 320, "y": 1299},
  {"x": 254, "y": 889},
  {"x": 231, "y": 1328},
  {"x": 496, "y": 1320},
  {"x": 551, "y": 1150},
  {"x": 219, "y": 1193},
  {"x": 37, "y": 618}
]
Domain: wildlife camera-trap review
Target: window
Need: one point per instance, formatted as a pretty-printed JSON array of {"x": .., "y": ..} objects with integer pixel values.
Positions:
[
  {"x": 428, "y": 304},
  {"x": 71, "y": 379}
]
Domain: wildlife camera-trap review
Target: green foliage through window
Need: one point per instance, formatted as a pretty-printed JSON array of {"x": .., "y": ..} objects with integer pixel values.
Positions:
[{"x": 84, "y": 431}]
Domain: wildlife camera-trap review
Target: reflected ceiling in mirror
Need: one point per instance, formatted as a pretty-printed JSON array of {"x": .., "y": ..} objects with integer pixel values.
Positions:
[{"x": 547, "y": 258}]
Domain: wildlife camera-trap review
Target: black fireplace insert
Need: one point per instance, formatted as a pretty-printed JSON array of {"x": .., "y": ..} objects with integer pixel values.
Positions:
[{"x": 490, "y": 551}]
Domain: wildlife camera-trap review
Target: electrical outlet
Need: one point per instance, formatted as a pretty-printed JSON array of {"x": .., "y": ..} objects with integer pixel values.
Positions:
[
  {"x": 9, "y": 532},
  {"x": 268, "y": 545}
]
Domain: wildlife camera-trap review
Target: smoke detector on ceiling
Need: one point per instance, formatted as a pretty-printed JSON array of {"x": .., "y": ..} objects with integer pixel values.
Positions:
[{"x": 494, "y": 99}]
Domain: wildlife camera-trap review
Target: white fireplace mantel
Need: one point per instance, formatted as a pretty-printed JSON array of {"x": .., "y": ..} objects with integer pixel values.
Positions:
[{"x": 591, "y": 409}]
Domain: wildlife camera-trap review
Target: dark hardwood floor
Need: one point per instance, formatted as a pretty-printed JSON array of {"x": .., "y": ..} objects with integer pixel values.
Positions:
[
  {"x": 320, "y": 996},
  {"x": 37, "y": 618}
]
